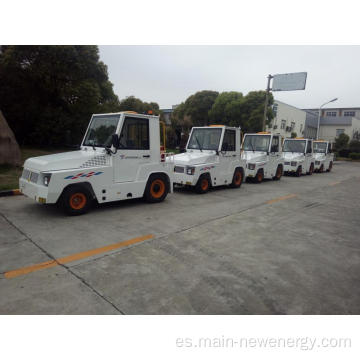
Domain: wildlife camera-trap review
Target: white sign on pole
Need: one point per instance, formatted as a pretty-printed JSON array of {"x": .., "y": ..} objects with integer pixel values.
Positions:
[{"x": 288, "y": 82}]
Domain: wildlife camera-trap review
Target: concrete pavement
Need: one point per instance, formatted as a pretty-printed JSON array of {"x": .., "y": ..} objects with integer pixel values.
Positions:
[{"x": 280, "y": 247}]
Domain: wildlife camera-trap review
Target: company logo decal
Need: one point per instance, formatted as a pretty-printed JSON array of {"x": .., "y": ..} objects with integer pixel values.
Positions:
[
  {"x": 207, "y": 168},
  {"x": 91, "y": 173}
]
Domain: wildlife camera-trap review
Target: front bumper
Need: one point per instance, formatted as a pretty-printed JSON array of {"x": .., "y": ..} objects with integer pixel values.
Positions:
[
  {"x": 39, "y": 193},
  {"x": 184, "y": 179},
  {"x": 290, "y": 169},
  {"x": 251, "y": 173}
]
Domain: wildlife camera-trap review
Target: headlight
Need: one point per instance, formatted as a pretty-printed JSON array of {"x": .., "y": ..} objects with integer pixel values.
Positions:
[
  {"x": 293, "y": 163},
  {"x": 190, "y": 170},
  {"x": 251, "y": 166},
  {"x": 46, "y": 179}
]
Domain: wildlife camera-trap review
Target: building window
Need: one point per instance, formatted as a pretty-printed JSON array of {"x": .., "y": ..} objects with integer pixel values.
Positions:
[
  {"x": 275, "y": 107},
  {"x": 349, "y": 113},
  {"x": 283, "y": 124},
  {"x": 331, "y": 113},
  {"x": 292, "y": 126},
  {"x": 339, "y": 131},
  {"x": 301, "y": 128}
]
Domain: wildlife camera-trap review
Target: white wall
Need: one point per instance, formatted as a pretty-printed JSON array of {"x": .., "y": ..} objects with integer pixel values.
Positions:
[
  {"x": 328, "y": 132},
  {"x": 289, "y": 114}
]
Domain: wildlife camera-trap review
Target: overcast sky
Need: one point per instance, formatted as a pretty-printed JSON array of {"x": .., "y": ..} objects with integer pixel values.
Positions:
[{"x": 169, "y": 74}]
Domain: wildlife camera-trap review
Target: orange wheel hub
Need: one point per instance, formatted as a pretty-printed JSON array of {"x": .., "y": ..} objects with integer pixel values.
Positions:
[
  {"x": 157, "y": 188},
  {"x": 204, "y": 184},
  {"x": 238, "y": 178},
  {"x": 77, "y": 201}
]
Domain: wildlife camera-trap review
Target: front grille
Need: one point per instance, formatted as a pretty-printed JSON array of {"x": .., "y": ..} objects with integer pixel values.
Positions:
[
  {"x": 179, "y": 169},
  {"x": 287, "y": 162},
  {"x": 25, "y": 174}
]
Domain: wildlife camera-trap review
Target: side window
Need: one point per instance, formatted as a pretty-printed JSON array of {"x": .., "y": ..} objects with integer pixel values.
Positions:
[
  {"x": 135, "y": 134},
  {"x": 229, "y": 141},
  {"x": 329, "y": 148},
  {"x": 275, "y": 144},
  {"x": 309, "y": 148}
]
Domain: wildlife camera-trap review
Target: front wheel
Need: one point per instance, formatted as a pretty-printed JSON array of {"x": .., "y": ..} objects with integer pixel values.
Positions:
[
  {"x": 298, "y": 171},
  {"x": 237, "y": 178},
  {"x": 311, "y": 170},
  {"x": 330, "y": 167},
  {"x": 156, "y": 189},
  {"x": 75, "y": 200},
  {"x": 321, "y": 170},
  {"x": 279, "y": 173},
  {"x": 259, "y": 176},
  {"x": 203, "y": 184}
]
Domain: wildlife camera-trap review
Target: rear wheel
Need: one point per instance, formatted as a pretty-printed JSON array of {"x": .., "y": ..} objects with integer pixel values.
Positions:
[
  {"x": 298, "y": 171},
  {"x": 279, "y": 173},
  {"x": 157, "y": 188},
  {"x": 203, "y": 184},
  {"x": 259, "y": 176},
  {"x": 237, "y": 178},
  {"x": 330, "y": 166},
  {"x": 75, "y": 200}
]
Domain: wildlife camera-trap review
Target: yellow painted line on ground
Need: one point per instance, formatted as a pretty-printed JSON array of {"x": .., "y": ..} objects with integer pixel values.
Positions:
[
  {"x": 334, "y": 183},
  {"x": 290, "y": 196},
  {"x": 74, "y": 257}
]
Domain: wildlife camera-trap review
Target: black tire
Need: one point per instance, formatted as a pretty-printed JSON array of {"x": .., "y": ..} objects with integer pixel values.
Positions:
[
  {"x": 259, "y": 176},
  {"x": 203, "y": 184},
  {"x": 238, "y": 178},
  {"x": 311, "y": 170},
  {"x": 157, "y": 188},
  {"x": 75, "y": 200},
  {"x": 321, "y": 170},
  {"x": 279, "y": 173},
  {"x": 330, "y": 166},
  {"x": 298, "y": 171}
]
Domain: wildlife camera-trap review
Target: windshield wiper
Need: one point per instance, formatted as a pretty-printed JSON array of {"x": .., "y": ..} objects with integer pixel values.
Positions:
[
  {"x": 252, "y": 146},
  {"x": 197, "y": 140}
]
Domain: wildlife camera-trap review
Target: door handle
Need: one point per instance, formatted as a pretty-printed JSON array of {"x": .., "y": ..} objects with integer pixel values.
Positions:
[{"x": 146, "y": 156}]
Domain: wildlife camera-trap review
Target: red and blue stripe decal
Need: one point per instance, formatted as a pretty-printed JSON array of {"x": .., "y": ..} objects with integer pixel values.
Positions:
[{"x": 91, "y": 173}]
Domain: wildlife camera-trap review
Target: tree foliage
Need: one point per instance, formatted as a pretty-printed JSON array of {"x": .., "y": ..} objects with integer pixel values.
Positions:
[
  {"x": 341, "y": 142},
  {"x": 131, "y": 103},
  {"x": 234, "y": 109},
  {"x": 48, "y": 93},
  {"x": 354, "y": 146}
]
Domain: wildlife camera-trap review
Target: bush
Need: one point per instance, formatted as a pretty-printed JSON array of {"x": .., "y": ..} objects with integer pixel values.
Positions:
[
  {"x": 293, "y": 135},
  {"x": 341, "y": 142},
  {"x": 354, "y": 146},
  {"x": 354, "y": 156},
  {"x": 344, "y": 153}
]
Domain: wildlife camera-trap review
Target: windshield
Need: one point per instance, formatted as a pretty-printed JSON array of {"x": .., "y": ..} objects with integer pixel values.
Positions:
[
  {"x": 320, "y": 147},
  {"x": 297, "y": 146},
  {"x": 205, "y": 139},
  {"x": 101, "y": 130},
  {"x": 256, "y": 142}
]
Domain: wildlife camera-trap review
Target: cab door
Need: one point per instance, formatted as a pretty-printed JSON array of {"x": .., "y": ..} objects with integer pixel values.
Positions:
[
  {"x": 227, "y": 155},
  {"x": 274, "y": 155},
  {"x": 134, "y": 149}
]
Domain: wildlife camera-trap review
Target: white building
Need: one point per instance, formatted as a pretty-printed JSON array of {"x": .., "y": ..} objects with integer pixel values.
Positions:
[
  {"x": 335, "y": 121},
  {"x": 288, "y": 119}
]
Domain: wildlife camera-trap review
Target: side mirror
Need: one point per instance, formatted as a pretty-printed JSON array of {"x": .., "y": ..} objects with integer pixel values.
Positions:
[{"x": 115, "y": 141}]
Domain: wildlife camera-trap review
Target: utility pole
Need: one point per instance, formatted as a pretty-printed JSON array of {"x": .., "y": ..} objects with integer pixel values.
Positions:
[{"x": 266, "y": 100}]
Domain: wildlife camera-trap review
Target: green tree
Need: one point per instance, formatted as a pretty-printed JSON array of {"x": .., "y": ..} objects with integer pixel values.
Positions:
[
  {"x": 341, "y": 142},
  {"x": 197, "y": 106},
  {"x": 131, "y": 103},
  {"x": 48, "y": 93},
  {"x": 227, "y": 109},
  {"x": 354, "y": 146},
  {"x": 234, "y": 109},
  {"x": 293, "y": 135}
]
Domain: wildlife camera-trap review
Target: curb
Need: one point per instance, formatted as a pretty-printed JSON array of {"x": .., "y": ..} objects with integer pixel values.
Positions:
[{"x": 10, "y": 192}]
